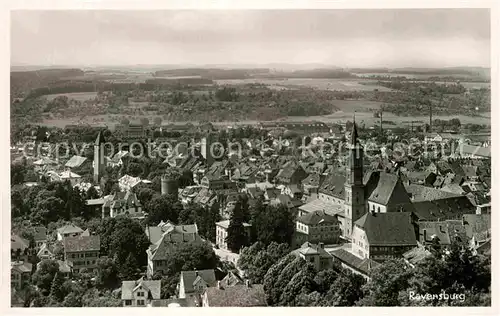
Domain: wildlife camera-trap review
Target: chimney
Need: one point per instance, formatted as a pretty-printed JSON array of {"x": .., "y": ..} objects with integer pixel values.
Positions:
[{"x": 321, "y": 245}]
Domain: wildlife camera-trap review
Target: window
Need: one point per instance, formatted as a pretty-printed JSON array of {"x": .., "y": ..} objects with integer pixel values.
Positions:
[
  {"x": 140, "y": 294},
  {"x": 128, "y": 302},
  {"x": 140, "y": 303}
]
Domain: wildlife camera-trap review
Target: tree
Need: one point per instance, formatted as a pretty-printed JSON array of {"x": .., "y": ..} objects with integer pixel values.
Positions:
[
  {"x": 274, "y": 224},
  {"x": 257, "y": 259},
  {"x": 130, "y": 269},
  {"x": 273, "y": 279},
  {"x": 237, "y": 236},
  {"x": 72, "y": 300},
  {"x": 44, "y": 275},
  {"x": 346, "y": 290},
  {"x": 107, "y": 274},
  {"x": 128, "y": 239},
  {"x": 162, "y": 208},
  {"x": 145, "y": 195},
  {"x": 56, "y": 291},
  {"x": 302, "y": 283},
  {"x": 386, "y": 283},
  {"x": 17, "y": 173}
]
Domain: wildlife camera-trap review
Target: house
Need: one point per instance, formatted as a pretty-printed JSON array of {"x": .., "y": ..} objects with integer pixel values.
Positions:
[
  {"x": 221, "y": 232},
  {"x": 19, "y": 246},
  {"x": 315, "y": 254},
  {"x": 180, "y": 232},
  {"x": 442, "y": 209},
  {"x": 192, "y": 284},
  {"x": 78, "y": 163},
  {"x": 140, "y": 293},
  {"x": 40, "y": 236},
  {"x": 291, "y": 175},
  {"x": 69, "y": 230},
  {"x": 20, "y": 273},
  {"x": 416, "y": 255},
  {"x": 292, "y": 190},
  {"x": 381, "y": 236},
  {"x": 232, "y": 278},
  {"x": 346, "y": 260},
  {"x": 64, "y": 267},
  {"x": 389, "y": 194},
  {"x": 123, "y": 204},
  {"x": 171, "y": 235},
  {"x": 241, "y": 295},
  {"x": 440, "y": 233},
  {"x": 82, "y": 252},
  {"x": 46, "y": 252},
  {"x": 70, "y": 176},
  {"x": 317, "y": 226}
]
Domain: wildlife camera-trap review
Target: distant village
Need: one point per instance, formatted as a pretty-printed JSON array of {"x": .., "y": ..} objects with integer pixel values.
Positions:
[{"x": 198, "y": 229}]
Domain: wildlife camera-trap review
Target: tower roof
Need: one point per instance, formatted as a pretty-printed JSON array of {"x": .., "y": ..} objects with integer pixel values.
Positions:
[
  {"x": 100, "y": 139},
  {"x": 354, "y": 134}
]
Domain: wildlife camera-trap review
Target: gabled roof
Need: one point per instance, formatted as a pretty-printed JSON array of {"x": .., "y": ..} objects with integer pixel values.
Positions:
[
  {"x": 424, "y": 193},
  {"x": 82, "y": 243},
  {"x": 451, "y": 208},
  {"x": 476, "y": 223},
  {"x": 190, "y": 277},
  {"x": 317, "y": 217},
  {"x": 308, "y": 248},
  {"x": 329, "y": 207},
  {"x": 155, "y": 233},
  {"x": 20, "y": 266},
  {"x": 69, "y": 229},
  {"x": 416, "y": 255},
  {"x": 75, "y": 161},
  {"x": 362, "y": 265},
  {"x": 333, "y": 185},
  {"x": 160, "y": 249},
  {"x": 391, "y": 228},
  {"x": 152, "y": 287},
  {"x": 389, "y": 190},
  {"x": 236, "y": 296}
]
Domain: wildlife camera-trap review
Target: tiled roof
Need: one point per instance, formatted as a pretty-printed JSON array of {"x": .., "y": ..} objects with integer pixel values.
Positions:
[
  {"x": 236, "y": 296},
  {"x": 329, "y": 207},
  {"x": 317, "y": 217},
  {"x": 191, "y": 277},
  {"x": 152, "y": 287},
  {"x": 69, "y": 175},
  {"x": 21, "y": 266},
  {"x": 417, "y": 254},
  {"x": 476, "y": 223},
  {"x": 451, "y": 208},
  {"x": 75, "y": 161},
  {"x": 69, "y": 229},
  {"x": 82, "y": 243},
  {"x": 392, "y": 228},
  {"x": 314, "y": 179},
  {"x": 362, "y": 265},
  {"x": 17, "y": 242},
  {"x": 423, "y": 193},
  {"x": 155, "y": 233},
  {"x": 389, "y": 190},
  {"x": 167, "y": 242},
  {"x": 40, "y": 233},
  {"x": 225, "y": 224},
  {"x": 231, "y": 279},
  {"x": 308, "y": 248},
  {"x": 333, "y": 185}
]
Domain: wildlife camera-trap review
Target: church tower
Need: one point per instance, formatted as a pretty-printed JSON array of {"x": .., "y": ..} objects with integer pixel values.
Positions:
[
  {"x": 98, "y": 158},
  {"x": 354, "y": 189}
]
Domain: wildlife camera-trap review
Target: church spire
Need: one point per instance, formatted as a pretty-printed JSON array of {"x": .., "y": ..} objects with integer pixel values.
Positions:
[{"x": 354, "y": 132}]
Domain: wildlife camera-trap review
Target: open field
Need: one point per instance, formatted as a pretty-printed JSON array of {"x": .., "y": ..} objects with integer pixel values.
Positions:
[
  {"x": 321, "y": 84},
  {"x": 79, "y": 96}
]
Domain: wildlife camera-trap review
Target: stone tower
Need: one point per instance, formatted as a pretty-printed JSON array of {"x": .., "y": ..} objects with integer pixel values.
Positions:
[
  {"x": 207, "y": 148},
  {"x": 354, "y": 189},
  {"x": 169, "y": 186},
  {"x": 99, "y": 164}
]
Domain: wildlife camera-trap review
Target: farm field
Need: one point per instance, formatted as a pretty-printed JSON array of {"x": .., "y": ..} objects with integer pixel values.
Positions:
[
  {"x": 321, "y": 84},
  {"x": 79, "y": 96}
]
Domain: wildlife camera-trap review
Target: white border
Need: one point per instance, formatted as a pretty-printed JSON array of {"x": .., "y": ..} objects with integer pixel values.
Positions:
[{"x": 221, "y": 4}]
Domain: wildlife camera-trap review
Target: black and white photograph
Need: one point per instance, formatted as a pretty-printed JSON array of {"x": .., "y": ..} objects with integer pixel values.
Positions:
[{"x": 250, "y": 158}]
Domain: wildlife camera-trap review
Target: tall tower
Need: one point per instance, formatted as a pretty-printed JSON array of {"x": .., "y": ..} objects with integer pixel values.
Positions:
[
  {"x": 98, "y": 157},
  {"x": 207, "y": 148},
  {"x": 354, "y": 188}
]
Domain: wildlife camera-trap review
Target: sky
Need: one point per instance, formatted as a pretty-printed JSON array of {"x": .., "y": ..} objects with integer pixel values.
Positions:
[{"x": 344, "y": 38}]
